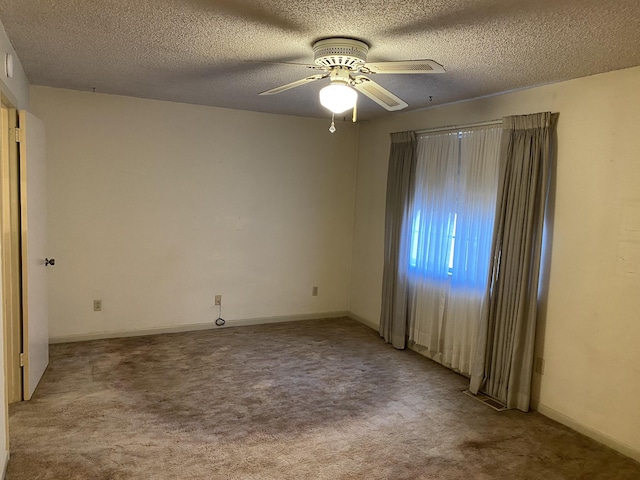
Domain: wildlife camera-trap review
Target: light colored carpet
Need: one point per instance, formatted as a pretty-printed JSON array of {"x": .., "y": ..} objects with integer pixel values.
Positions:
[{"x": 302, "y": 400}]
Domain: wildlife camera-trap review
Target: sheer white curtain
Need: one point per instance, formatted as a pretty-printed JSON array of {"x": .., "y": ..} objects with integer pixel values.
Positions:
[{"x": 453, "y": 213}]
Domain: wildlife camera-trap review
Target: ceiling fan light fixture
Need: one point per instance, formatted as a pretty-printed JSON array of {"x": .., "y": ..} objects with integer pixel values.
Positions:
[{"x": 338, "y": 97}]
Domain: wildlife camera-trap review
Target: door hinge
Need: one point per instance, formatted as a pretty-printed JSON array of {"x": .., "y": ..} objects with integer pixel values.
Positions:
[
  {"x": 22, "y": 359},
  {"x": 17, "y": 134}
]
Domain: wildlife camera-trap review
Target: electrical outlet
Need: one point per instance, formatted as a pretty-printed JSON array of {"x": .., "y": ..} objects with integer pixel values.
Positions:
[
  {"x": 97, "y": 305},
  {"x": 314, "y": 291},
  {"x": 539, "y": 366},
  {"x": 218, "y": 300}
]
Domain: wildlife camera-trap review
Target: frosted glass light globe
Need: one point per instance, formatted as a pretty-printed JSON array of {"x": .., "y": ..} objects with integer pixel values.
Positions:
[{"x": 338, "y": 97}]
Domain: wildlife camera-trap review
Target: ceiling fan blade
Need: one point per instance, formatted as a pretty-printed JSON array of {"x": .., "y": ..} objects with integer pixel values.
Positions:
[
  {"x": 405, "y": 66},
  {"x": 378, "y": 94},
  {"x": 297, "y": 83}
]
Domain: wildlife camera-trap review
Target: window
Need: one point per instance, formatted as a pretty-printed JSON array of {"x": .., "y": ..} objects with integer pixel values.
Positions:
[
  {"x": 454, "y": 206},
  {"x": 415, "y": 233}
]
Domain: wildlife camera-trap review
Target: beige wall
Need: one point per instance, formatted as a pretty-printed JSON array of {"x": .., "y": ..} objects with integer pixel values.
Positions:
[
  {"x": 155, "y": 207},
  {"x": 589, "y": 338}
]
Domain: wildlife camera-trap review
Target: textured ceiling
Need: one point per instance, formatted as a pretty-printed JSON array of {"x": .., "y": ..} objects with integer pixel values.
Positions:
[{"x": 211, "y": 52}]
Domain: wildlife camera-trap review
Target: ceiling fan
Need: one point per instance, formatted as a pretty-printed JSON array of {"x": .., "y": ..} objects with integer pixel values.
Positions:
[{"x": 344, "y": 61}]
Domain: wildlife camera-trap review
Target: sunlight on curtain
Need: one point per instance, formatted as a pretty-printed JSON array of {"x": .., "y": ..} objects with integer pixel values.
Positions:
[{"x": 453, "y": 212}]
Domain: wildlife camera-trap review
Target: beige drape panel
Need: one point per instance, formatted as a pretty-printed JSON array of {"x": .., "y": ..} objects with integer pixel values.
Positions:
[
  {"x": 503, "y": 366},
  {"x": 395, "y": 295}
]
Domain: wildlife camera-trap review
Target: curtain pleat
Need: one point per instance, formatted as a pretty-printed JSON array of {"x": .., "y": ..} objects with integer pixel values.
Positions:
[
  {"x": 402, "y": 164},
  {"x": 506, "y": 334}
]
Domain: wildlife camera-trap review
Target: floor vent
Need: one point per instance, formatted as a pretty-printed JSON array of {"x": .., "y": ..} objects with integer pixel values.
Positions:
[{"x": 487, "y": 400}]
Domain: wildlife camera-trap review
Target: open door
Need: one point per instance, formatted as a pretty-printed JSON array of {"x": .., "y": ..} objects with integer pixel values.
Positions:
[{"x": 33, "y": 213}]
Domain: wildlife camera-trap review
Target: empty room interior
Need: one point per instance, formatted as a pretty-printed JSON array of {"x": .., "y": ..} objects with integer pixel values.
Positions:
[{"x": 212, "y": 268}]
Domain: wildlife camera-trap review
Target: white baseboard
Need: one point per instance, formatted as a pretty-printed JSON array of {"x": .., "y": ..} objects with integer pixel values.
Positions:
[
  {"x": 360, "y": 319},
  {"x": 5, "y": 464},
  {"x": 195, "y": 327},
  {"x": 590, "y": 432}
]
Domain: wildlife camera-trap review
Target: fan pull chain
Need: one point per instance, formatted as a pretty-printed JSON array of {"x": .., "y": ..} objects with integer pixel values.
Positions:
[
  {"x": 355, "y": 111},
  {"x": 332, "y": 128}
]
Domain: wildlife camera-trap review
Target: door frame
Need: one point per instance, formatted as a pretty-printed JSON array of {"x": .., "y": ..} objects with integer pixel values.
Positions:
[{"x": 11, "y": 269}]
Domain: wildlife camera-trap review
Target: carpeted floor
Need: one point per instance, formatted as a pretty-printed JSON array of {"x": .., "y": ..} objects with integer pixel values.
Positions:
[{"x": 301, "y": 400}]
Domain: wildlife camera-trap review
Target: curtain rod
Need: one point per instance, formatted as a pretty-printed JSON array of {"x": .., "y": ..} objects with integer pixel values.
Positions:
[{"x": 458, "y": 127}]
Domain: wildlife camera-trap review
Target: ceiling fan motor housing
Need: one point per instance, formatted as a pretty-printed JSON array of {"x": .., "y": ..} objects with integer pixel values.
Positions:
[{"x": 344, "y": 52}]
